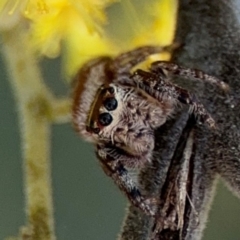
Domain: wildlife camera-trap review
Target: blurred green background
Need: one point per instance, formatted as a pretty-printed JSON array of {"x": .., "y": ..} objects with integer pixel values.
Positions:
[{"x": 87, "y": 204}]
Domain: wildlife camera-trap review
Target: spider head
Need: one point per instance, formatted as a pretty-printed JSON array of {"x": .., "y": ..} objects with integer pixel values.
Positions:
[
  {"x": 110, "y": 120},
  {"x": 94, "y": 112},
  {"x": 105, "y": 111},
  {"x": 95, "y": 100}
]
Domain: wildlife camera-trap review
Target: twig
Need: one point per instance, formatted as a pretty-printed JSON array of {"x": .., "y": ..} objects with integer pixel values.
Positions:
[{"x": 34, "y": 107}]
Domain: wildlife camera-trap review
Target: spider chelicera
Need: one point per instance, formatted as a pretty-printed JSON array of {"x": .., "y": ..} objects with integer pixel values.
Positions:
[{"x": 118, "y": 109}]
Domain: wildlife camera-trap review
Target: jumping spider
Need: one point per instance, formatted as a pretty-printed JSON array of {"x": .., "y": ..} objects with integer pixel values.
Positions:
[{"x": 118, "y": 110}]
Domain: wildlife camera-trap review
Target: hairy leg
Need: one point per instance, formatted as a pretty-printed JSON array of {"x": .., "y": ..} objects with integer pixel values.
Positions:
[
  {"x": 162, "y": 90},
  {"x": 188, "y": 73},
  {"x": 126, "y": 61},
  {"x": 114, "y": 168}
]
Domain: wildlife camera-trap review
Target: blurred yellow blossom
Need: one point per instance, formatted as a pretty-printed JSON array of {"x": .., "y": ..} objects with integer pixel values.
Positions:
[
  {"x": 162, "y": 28},
  {"x": 72, "y": 25},
  {"x": 82, "y": 28}
]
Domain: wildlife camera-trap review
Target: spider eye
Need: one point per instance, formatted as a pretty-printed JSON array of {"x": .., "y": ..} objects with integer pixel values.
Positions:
[
  {"x": 110, "y": 104},
  {"x": 105, "y": 119},
  {"x": 111, "y": 90}
]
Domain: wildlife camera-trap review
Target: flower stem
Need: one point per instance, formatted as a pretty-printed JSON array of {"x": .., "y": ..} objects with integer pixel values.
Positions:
[{"x": 33, "y": 100}]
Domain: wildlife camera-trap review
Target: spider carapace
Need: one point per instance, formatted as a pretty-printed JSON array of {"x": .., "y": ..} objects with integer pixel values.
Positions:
[{"x": 118, "y": 110}]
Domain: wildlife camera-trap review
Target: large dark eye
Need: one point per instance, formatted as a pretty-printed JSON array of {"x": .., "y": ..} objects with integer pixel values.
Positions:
[
  {"x": 111, "y": 90},
  {"x": 105, "y": 119},
  {"x": 110, "y": 104}
]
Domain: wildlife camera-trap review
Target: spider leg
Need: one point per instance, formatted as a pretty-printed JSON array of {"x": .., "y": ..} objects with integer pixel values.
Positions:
[
  {"x": 157, "y": 87},
  {"x": 126, "y": 61},
  {"x": 114, "y": 168},
  {"x": 188, "y": 73}
]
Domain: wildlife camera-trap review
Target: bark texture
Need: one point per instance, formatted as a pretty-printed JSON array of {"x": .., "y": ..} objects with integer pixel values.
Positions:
[{"x": 208, "y": 32}]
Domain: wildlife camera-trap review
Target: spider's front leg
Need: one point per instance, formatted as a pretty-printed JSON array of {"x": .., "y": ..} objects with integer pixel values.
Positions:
[
  {"x": 112, "y": 161},
  {"x": 126, "y": 61},
  {"x": 157, "y": 86},
  {"x": 188, "y": 73}
]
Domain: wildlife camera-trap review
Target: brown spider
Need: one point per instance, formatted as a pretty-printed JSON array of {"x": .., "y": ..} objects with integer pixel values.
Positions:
[{"x": 118, "y": 110}]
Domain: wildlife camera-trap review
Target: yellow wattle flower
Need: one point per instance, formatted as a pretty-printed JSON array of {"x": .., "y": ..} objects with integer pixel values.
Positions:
[
  {"x": 81, "y": 28},
  {"x": 74, "y": 26}
]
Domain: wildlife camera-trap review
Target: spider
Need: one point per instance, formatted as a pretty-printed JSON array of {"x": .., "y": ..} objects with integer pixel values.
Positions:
[{"x": 118, "y": 109}]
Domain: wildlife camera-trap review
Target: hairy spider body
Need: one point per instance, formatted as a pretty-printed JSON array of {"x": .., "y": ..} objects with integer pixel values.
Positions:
[
  {"x": 118, "y": 110},
  {"x": 132, "y": 128}
]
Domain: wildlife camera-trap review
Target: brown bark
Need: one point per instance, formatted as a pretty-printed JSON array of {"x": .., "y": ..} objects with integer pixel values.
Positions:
[{"x": 208, "y": 32}]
